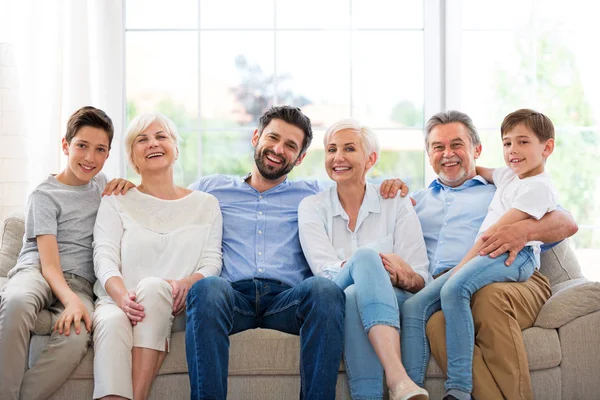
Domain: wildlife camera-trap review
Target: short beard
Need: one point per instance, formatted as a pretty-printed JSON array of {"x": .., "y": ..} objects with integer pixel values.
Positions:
[
  {"x": 459, "y": 180},
  {"x": 265, "y": 171}
]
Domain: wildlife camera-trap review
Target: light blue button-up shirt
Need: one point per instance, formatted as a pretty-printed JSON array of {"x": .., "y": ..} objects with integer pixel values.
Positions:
[
  {"x": 260, "y": 230},
  {"x": 450, "y": 219}
]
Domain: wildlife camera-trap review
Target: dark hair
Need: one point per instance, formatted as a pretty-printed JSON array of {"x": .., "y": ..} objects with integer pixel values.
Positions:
[
  {"x": 89, "y": 116},
  {"x": 291, "y": 115},
  {"x": 536, "y": 122},
  {"x": 448, "y": 117}
]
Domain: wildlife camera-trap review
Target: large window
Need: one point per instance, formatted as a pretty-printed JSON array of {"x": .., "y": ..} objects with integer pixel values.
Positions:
[{"x": 214, "y": 66}]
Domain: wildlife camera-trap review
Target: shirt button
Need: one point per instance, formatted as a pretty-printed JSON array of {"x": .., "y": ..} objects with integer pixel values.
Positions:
[
  {"x": 442, "y": 242},
  {"x": 260, "y": 270},
  {"x": 260, "y": 197},
  {"x": 260, "y": 253},
  {"x": 260, "y": 213},
  {"x": 449, "y": 203},
  {"x": 445, "y": 223},
  {"x": 260, "y": 232}
]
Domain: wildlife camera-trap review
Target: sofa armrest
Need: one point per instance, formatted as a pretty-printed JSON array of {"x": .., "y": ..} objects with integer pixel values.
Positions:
[{"x": 573, "y": 301}]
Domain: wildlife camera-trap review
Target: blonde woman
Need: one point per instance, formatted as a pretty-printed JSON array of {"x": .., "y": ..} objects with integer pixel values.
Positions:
[
  {"x": 374, "y": 249},
  {"x": 150, "y": 246}
]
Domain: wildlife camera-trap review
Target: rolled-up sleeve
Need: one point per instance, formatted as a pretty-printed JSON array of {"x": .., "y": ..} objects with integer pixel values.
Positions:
[
  {"x": 108, "y": 232},
  {"x": 316, "y": 244},
  {"x": 408, "y": 240}
]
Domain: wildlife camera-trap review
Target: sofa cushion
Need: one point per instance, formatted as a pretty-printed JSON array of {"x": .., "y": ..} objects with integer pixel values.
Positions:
[
  {"x": 560, "y": 264},
  {"x": 572, "y": 301},
  {"x": 11, "y": 241}
]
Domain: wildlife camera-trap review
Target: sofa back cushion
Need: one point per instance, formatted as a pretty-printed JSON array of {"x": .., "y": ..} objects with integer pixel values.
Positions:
[
  {"x": 560, "y": 264},
  {"x": 11, "y": 241}
]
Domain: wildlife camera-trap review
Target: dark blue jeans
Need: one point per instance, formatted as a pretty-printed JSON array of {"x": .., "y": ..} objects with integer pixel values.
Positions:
[{"x": 313, "y": 309}]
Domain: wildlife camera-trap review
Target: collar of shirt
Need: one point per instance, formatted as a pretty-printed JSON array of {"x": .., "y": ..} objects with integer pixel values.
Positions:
[
  {"x": 371, "y": 203},
  {"x": 477, "y": 180}
]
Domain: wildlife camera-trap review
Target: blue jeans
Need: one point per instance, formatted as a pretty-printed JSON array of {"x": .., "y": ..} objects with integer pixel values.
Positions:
[
  {"x": 453, "y": 296},
  {"x": 370, "y": 300},
  {"x": 313, "y": 309}
]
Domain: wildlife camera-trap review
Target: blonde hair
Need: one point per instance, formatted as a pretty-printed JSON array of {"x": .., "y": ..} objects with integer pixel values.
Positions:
[
  {"x": 140, "y": 123},
  {"x": 368, "y": 139}
]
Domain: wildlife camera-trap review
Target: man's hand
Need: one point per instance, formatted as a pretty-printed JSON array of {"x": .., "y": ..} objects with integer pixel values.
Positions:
[
  {"x": 74, "y": 313},
  {"x": 133, "y": 310},
  {"x": 180, "y": 291},
  {"x": 390, "y": 187},
  {"x": 507, "y": 238},
  {"x": 117, "y": 186}
]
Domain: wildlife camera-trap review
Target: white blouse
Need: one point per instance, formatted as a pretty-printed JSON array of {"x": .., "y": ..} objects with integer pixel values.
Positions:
[
  {"x": 386, "y": 225},
  {"x": 137, "y": 235}
]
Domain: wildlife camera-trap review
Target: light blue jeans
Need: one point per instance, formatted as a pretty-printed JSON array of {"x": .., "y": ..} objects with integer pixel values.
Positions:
[
  {"x": 453, "y": 296},
  {"x": 370, "y": 300}
]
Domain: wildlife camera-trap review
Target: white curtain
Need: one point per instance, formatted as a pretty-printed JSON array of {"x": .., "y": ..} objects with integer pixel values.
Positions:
[{"x": 68, "y": 53}]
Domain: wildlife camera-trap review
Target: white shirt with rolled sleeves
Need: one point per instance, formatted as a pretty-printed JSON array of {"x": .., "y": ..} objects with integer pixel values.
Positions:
[
  {"x": 138, "y": 236},
  {"x": 534, "y": 195},
  {"x": 386, "y": 225}
]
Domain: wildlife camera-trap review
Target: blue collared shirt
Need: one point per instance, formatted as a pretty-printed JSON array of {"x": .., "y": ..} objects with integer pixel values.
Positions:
[
  {"x": 450, "y": 218},
  {"x": 260, "y": 230}
]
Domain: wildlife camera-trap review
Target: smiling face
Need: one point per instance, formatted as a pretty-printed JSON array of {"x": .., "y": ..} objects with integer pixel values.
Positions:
[
  {"x": 524, "y": 153},
  {"x": 277, "y": 149},
  {"x": 87, "y": 153},
  {"x": 345, "y": 157},
  {"x": 153, "y": 149},
  {"x": 451, "y": 153}
]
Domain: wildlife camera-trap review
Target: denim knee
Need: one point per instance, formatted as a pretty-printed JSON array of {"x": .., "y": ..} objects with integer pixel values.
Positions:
[
  {"x": 209, "y": 292},
  {"x": 326, "y": 296}
]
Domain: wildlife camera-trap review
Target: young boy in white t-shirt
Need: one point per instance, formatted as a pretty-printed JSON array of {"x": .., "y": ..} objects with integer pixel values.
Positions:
[
  {"x": 524, "y": 190},
  {"x": 55, "y": 269}
]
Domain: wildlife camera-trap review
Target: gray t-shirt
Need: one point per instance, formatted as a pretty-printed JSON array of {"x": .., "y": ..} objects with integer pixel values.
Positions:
[{"x": 69, "y": 213}]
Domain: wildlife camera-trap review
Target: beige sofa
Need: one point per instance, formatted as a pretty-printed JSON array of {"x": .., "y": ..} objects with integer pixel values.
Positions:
[{"x": 563, "y": 347}]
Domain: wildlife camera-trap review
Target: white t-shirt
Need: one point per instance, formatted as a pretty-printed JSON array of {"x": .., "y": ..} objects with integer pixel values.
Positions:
[
  {"x": 138, "y": 235},
  {"x": 535, "y": 196},
  {"x": 385, "y": 225}
]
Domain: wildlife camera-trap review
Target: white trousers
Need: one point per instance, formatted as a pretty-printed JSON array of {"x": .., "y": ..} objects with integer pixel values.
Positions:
[{"x": 115, "y": 337}]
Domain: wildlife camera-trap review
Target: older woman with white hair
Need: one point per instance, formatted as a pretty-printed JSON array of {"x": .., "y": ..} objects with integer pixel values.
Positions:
[
  {"x": 367, "y": 245},
  {"x": 150, "y": 246}
]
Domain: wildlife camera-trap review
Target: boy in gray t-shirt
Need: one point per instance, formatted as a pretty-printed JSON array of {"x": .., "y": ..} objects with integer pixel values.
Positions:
[{"x": 55, "y": 269}]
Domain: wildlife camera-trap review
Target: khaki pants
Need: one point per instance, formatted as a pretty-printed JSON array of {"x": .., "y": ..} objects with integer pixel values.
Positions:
[
  {"x": 26, "y": 294},
  {"x": 500, "y": 312},
  {"x": 115, "y": 337}
]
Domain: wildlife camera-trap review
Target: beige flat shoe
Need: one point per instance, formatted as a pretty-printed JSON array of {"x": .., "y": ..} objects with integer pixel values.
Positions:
[{"x": 408, "y": 390}]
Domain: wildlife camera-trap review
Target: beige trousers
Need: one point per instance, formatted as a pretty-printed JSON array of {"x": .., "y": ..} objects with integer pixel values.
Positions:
[
  {"x": 115, "y": 337},
  {"x": 500, "y": 312},
  {"x": 22, "y": 298}
]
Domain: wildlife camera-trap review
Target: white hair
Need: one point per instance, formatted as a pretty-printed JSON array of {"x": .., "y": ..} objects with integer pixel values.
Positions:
[
  {"x": 368, "y": 139},
  {"x": 140, "y": 123}
]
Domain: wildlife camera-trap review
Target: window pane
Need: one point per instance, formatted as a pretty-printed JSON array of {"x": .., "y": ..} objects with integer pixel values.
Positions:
[
  {"x": 160, "y": 14},
  {"x": 314, "y": 74},
  {"x": 386, "y": 14},
  {"x": 163, "y": 77},
  {"x": 236, "y": 77},
  {"x": 498, "y": 71},
  {"x": 388, "y": 85},
  {"x": 313, "y": 14},
  {"x": 488, "y": 15},
  {"x": 236, "y": 14},
  {"x": 227, "y": 152}
]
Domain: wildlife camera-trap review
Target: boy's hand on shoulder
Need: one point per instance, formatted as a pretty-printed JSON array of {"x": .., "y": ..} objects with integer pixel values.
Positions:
[
  {"x": 75, "y": 312},
  {"x": 117, "y": 186}
]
